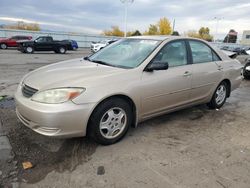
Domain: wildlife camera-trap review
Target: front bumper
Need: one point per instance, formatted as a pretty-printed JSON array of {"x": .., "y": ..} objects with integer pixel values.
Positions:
[{"x": 56, "y": 120}]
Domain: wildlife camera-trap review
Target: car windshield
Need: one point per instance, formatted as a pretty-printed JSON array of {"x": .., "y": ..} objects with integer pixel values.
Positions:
[{"x": 125, "y": 53}]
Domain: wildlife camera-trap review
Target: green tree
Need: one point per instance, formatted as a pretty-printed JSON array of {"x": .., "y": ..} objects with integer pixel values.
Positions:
[
  {"x": 164, "y": 26},
  {"x": 24, "y": 26},
  {"x": 203, "y": 33},
  {"x": 136, "y": 33},
  {"x": 175, "y": 33},
  {"x": 152, "y": 30},
  {"x": 115, "y": 31}
]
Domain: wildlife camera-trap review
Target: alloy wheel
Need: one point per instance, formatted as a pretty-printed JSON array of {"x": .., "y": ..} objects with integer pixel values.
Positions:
[
  {"x": 62, "y": 50},
  {"x": 3, "y": 46},
  {"x": 113, "y": 122},
  {"x": 29, "y": 49},
  {"x": 220, "y": 94}
]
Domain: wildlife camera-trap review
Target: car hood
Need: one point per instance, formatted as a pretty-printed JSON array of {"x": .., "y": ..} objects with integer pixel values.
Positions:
[{"x": 71, "y": 73}]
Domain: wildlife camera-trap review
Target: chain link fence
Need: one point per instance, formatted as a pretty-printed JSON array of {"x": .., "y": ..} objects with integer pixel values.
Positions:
[{"x": 83, "y": 40}]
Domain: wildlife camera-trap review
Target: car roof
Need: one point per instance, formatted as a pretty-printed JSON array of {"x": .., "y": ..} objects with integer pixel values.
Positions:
[
  {"x": 21, "y": 36},
  {"x": 163, "y": 37},
  {"x": 156, "y": 37}
]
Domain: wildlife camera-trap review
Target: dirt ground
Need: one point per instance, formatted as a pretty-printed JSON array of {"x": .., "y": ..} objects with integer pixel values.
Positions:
[{"x": 196, "y": 147}]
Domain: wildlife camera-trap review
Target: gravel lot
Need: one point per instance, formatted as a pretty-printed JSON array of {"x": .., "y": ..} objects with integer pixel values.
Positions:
[{"x": 196, "y": 147}]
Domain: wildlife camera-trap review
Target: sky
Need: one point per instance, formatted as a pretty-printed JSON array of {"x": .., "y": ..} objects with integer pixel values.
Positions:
[{"x": 94, "y": 16}]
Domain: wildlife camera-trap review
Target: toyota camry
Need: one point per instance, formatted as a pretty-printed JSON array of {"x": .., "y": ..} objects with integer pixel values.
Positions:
[{"x": 127, "y": 82}]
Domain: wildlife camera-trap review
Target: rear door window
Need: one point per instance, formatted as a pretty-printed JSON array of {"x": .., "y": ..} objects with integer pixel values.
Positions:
[{"x": 202, "y": 53}]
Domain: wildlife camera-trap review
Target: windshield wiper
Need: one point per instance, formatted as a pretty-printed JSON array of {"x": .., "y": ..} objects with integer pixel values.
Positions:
[
  {"x": 96, "y": 61},
  {"x": 104, "y": 63}
]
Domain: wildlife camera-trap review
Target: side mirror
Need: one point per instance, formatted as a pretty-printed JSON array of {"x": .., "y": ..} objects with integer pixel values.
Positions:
[
  {"x": 156, "y": 65},
  {"x": 86, "y": 58}
]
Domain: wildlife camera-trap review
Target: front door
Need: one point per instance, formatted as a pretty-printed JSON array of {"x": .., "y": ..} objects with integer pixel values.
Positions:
[
  {"x": 43, "y": 44},
  {"x": 166, "y": 89}
]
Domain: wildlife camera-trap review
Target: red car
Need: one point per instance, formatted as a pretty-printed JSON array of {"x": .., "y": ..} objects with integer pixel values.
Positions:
[{"x": 12, "y": 41}]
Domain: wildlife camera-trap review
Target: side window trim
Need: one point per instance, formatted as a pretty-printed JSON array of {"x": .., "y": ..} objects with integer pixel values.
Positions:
[{"x": 189, "y": 52}]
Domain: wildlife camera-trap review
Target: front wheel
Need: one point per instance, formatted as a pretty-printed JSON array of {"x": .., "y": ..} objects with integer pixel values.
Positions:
[
  {"x": 110, "y": 121},
  {"x": 3, "y": 46},
  {"x": 220, "y": 96}
]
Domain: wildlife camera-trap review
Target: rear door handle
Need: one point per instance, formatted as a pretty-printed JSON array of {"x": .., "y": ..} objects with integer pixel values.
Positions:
[{"x": 187, "y": 73}]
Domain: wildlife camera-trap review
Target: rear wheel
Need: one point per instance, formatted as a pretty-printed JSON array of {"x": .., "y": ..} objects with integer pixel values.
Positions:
[
  {"x": 62, "y": 50},
  {"x": 220, "y": 96},
  {"x": 110, "y": 121},
  {"x": 3, "y": 46},
  {"x": 29, "y": 50}
]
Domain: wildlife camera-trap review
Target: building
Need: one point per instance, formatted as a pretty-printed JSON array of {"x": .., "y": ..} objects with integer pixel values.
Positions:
[{"x": 246, "y": 38}]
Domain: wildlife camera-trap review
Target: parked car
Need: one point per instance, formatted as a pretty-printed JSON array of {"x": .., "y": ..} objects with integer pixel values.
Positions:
[
  {"x": 45, "y": 43},
  {"x": 230, "y": 54},
  {"x": 246, "y": 70},
  {"x": 238, "y": 50},
  {"x": 248, "y": 50},
  {"x": 134, "y": 79},
  {"x": 73, "y": 44},
  {"x": 96, "y": 46},
  {"x": 12, "y": 41}
]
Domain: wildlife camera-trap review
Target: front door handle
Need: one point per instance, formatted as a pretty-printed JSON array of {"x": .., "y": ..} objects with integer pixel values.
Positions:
[{"x": 187, "y": 73}]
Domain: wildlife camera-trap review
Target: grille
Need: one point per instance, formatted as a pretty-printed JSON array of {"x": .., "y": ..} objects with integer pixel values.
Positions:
[{"x": 28, "y": 91}]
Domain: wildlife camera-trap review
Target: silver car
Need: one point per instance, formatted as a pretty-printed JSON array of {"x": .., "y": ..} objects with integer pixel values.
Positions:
[{"x": 129, "y": 81}]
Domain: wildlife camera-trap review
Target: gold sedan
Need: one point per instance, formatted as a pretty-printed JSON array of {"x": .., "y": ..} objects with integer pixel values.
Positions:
[{"x": 129, "y": 81}]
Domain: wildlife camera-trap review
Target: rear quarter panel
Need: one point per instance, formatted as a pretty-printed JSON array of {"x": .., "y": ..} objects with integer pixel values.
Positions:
[{"x": 232, "y": 70}]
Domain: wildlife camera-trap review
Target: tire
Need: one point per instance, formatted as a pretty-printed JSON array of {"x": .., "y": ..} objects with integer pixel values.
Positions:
[
  {"x": 219, "y": 96},
  {"x": 106, "y": 116},
  {"x": 29, "y": 49},
  {"x": 246, "y": 71},
  {"x": 62, "y": 50},
  {"x": 3, "y": 46}
]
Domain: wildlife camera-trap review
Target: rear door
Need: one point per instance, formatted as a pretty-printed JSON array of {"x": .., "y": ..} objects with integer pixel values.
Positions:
[
  {"x": 206, "y": 72},
  {"x": 166, "y": 89}
]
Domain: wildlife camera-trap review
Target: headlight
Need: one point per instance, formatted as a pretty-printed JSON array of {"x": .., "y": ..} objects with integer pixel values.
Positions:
[{"x": 55, "y": 96}]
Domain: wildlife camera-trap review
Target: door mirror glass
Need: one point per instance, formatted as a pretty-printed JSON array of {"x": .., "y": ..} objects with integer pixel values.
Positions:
[{"x": 157, "y": 65}]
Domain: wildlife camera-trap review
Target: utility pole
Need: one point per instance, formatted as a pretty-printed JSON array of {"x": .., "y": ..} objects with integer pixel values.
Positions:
[
  {"x": 216, "y": 27},
  {"x": 173, "y": 25},
  {"x": 126, "y": 2}
]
